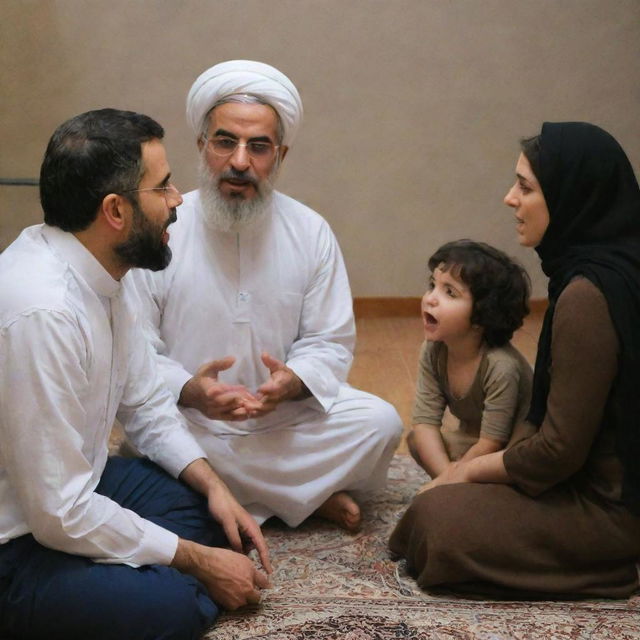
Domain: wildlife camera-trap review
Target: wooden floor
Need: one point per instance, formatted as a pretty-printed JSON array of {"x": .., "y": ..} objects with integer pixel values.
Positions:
[{"x": 387, "y": 351}]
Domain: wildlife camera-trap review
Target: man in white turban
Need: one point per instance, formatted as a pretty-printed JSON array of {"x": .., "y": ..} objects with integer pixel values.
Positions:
[{"x": 252, "y": 321}]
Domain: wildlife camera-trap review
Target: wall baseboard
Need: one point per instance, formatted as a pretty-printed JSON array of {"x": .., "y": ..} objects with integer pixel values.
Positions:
[
  {"x": 380, "y": 307},
  {"x": 405, "y": 307}
]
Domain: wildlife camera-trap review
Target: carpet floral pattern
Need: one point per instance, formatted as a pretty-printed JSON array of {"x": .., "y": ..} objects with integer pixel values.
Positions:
[{"x": 329, "y": 585}]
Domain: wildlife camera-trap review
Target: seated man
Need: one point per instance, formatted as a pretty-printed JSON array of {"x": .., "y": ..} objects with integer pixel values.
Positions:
[
  {"x": 253, "y": 320},
  {"x": 92, "y": 547}
]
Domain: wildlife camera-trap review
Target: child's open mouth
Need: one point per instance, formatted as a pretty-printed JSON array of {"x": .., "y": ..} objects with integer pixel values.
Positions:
[{"x": 429, "y": 319}]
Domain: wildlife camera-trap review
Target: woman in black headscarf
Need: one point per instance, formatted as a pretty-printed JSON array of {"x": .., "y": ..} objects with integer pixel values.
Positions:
[{"x": 558, "y": 512}]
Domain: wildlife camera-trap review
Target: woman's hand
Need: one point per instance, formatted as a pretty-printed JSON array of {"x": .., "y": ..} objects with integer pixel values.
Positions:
[{"x": 489, "y": 468}]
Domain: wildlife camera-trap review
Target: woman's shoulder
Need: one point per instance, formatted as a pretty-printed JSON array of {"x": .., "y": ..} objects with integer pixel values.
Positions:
[
  {"x": 582, "y": 314},
  {"x": 581, "y": 300},
  {"x": 580, "y": 292}
]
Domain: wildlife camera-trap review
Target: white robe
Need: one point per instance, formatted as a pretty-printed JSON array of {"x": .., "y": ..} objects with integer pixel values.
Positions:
[{"x": 280, "y": 286}]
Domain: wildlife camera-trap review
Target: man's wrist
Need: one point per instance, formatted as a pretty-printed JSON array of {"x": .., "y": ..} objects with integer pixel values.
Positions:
[
  {"x": 185, "y": 397},
  {"x": 303, "y": 392},
  {"x": 184, "y": 558},
  {"x": 201, "y": 477}
]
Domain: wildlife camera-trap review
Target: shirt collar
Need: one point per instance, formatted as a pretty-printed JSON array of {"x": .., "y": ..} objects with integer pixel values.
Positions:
[{"x": 71, "y": 250}]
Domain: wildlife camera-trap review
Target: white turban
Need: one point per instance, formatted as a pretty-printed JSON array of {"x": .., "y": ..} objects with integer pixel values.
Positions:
[{"x": 245, "y": 76}]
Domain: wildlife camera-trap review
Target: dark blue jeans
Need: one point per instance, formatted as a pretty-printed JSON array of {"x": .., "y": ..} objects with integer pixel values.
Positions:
[{"x": 54, "y": 595}]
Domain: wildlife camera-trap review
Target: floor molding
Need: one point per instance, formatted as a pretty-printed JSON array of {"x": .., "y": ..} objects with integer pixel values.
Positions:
[{"x": 403, "y": 307}]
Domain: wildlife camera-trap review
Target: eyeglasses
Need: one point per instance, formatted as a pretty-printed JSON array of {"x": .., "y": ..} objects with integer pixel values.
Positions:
[
  {"x": 257, "y": 149},
  {"x": 168, "y": 191}
]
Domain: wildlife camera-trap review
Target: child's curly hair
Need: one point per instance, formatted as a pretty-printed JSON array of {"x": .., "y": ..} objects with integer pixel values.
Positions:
[{"x": 500, "y": 287}]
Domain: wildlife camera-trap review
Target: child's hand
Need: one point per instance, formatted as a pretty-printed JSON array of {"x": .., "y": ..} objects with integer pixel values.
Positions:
[
  {"x": 455, "y": 473},
  {"x": 425, "y": 487}
]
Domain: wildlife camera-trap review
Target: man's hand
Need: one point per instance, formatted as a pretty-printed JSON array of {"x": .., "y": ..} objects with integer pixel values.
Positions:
[
  {"x": 241, "y": 529},
  {"x": 231, "y": 578},
  {"x": 214, "y": 399},
  {"x": 283, "y": 384}
]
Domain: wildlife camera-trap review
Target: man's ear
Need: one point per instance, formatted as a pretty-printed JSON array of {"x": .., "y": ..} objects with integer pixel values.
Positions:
[
  {"x": 113, "y": 209},
  {"x": 283, "y": 151},
  {"x": 200, "y": 143}
]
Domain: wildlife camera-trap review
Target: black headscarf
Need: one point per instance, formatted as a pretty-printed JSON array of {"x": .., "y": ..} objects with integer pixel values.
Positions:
[{"x": 594, "y": 231}]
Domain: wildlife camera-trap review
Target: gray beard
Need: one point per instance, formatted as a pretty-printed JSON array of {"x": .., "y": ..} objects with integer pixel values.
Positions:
[{"x": 230, "y": 215}]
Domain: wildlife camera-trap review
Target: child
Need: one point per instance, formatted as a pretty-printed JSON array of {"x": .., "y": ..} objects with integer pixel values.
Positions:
[{"x": 477, "y": 298}]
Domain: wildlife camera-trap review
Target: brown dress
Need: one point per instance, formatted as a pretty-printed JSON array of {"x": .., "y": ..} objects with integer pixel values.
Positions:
[{"x": 560, "y": 528}]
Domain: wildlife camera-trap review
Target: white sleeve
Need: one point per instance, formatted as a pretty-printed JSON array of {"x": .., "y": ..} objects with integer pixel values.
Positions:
[
  {"x": 322, "y": 355},
  {"x": 46, "y": 443},
  {"x": 149, "y": 414},
  {"x": 147, "y": 290}
]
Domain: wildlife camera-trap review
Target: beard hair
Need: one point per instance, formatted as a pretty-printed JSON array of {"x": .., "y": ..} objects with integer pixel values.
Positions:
[
  {"x": 144, "y": 247},
  {"x": 224, "y": 214}
]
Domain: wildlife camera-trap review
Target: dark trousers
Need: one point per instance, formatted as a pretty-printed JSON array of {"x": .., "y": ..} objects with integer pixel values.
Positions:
[{"x": 54, "y": 595}]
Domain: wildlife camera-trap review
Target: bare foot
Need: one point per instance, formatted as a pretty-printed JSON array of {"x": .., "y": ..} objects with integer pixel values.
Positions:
[{"x": 342, "y": 509}]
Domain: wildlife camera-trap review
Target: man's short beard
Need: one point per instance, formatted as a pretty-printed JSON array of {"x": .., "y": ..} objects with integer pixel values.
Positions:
[
  {"x": 144, "y": 247},
  {"x": 225, "y": 214}
]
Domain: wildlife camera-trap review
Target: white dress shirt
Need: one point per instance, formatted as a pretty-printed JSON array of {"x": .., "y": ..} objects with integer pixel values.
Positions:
[{"x": 72, "y": 359}]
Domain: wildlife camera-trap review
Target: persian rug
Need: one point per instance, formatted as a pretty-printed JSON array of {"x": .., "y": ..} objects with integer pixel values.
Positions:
[{"x": 329, "y": 585}]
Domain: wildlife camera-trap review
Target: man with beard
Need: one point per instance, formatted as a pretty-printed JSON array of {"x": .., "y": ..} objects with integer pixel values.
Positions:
[
  {"x": 253, "y": 323},
  {"x": 91, "y": 546}
]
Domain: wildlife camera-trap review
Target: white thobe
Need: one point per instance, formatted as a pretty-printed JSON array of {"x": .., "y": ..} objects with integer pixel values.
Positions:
[
  {"x": 72, "y": 358},
  {"x": 279, "y": 285}
]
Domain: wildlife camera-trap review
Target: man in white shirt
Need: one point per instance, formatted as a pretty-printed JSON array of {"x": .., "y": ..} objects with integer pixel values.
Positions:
[
  {"x": 91, "y": 546},
  {"x": 253, "y": 322}
]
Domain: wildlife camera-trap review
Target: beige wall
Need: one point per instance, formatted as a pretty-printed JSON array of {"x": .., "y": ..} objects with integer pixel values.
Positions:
[{"x": 413, "y": 107}]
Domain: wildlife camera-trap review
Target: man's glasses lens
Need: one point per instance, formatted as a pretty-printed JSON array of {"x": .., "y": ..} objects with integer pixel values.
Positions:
[
  {"x": 170, "y": 192},
  {"x": 255, "y": 148}
]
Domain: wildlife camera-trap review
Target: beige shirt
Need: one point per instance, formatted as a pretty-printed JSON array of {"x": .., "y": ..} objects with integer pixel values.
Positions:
[{"x": 498, "y": 397}]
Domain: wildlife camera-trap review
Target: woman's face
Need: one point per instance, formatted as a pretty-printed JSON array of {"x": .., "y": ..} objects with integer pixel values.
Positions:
[{"x": 530, "y": 207}]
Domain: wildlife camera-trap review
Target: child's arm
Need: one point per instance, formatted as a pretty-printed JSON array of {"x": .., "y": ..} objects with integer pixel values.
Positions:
[
  {"x": 427, "y": 448},
  {"x": 489, "y": 468},
  {"x": 482, "y": 447},
  {"x": 502, "y": 404}
]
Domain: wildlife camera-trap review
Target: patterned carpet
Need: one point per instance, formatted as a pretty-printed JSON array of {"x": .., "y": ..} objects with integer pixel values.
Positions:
[{"x": 328, "y": 585}]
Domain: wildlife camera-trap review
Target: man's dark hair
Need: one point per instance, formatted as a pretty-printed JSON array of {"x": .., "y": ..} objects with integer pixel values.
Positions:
[
  {"x": 530, "y": 147},
  {"x": 88, "y": 157},
  {"x": 500, "y": 287}
]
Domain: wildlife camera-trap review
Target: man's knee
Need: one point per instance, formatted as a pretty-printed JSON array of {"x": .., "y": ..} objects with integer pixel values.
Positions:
[
  {"x": 164, "y": 603},
  {"x": 116, "y": 602},
  {"x": 180, "y": 610},
  {"x": 385, "y": 419}
]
